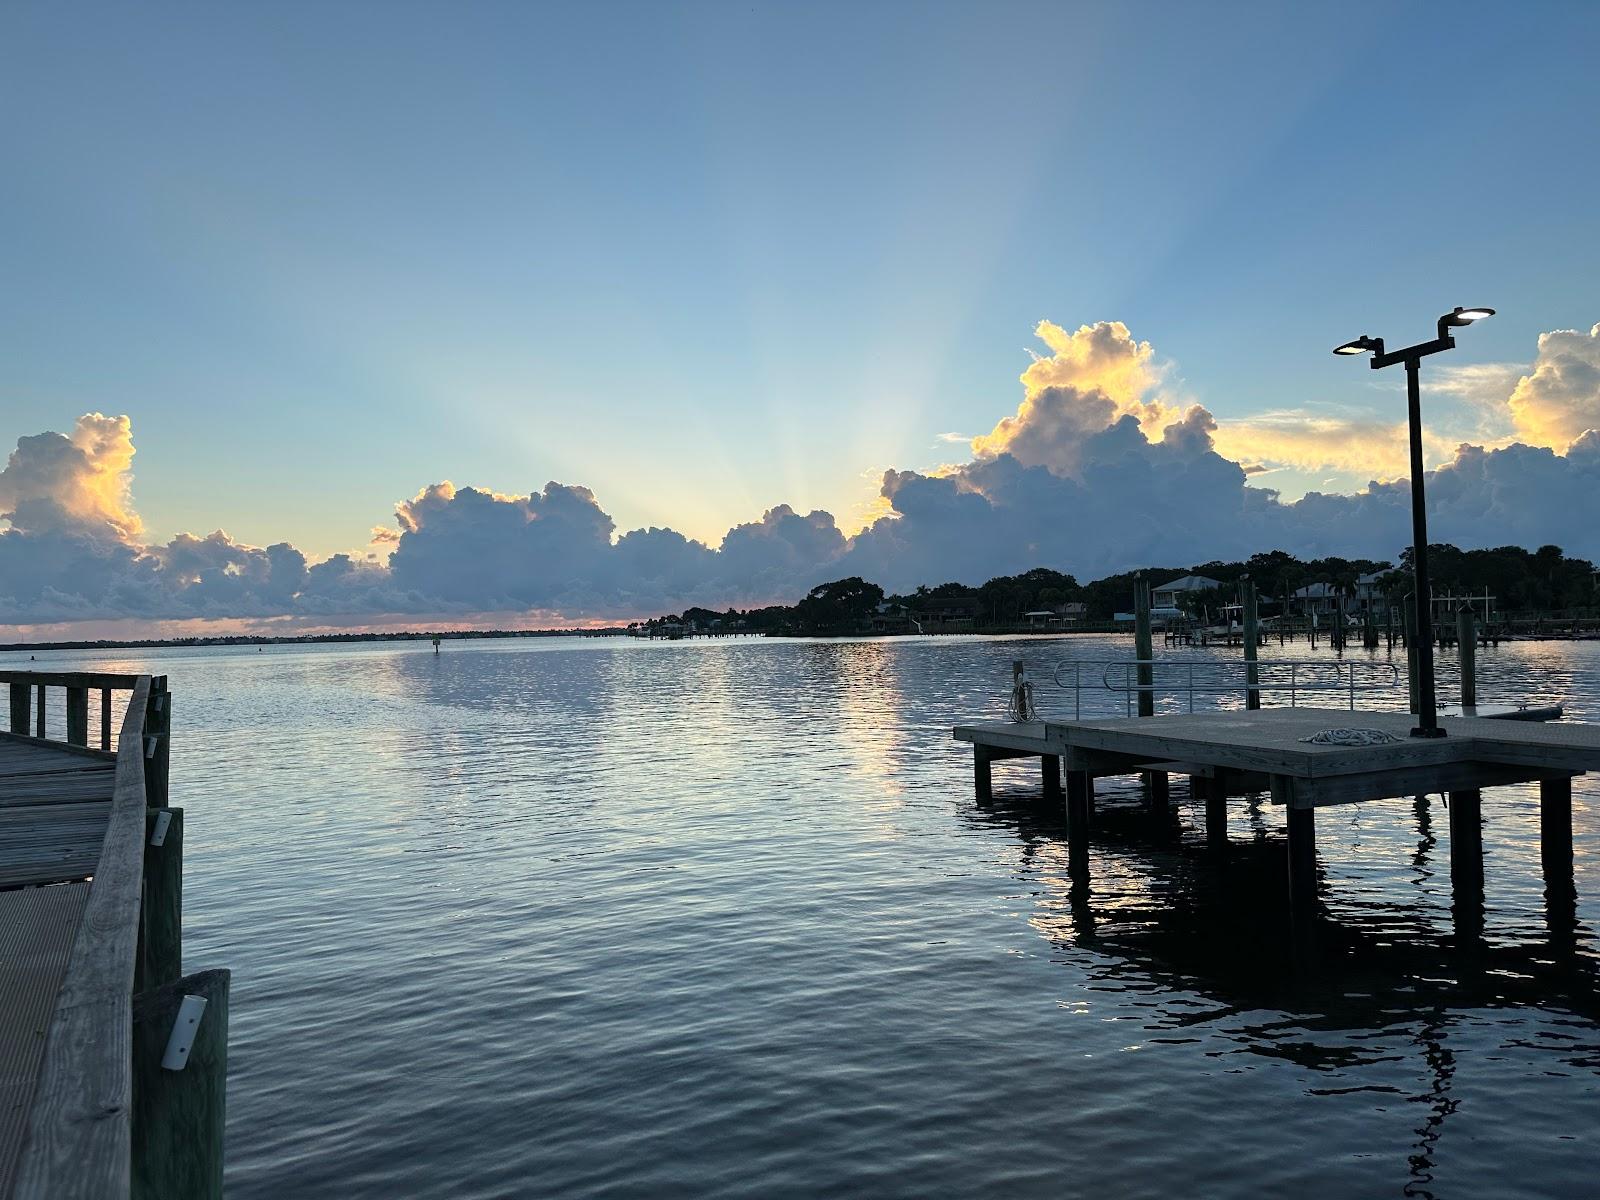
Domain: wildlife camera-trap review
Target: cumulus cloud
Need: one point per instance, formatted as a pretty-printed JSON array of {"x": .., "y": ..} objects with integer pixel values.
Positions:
[
  {"x": 1560, "y": 401},
  {"x": 72, "y": 483},
  {"x": 1098, "y": 470},
  {"x": 1091, "y": 378}
]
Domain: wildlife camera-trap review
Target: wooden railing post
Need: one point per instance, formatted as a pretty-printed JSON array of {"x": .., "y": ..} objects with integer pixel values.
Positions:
[
  {"x": 105, "y": 718},
  {"x": 19, "y": 708},
  {"x": 78, "y": 716},
  {"x": 38, "y": 716}
]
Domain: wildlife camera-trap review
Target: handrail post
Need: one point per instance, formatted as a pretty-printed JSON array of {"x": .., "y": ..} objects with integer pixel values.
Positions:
[
  {"x": 78, "y": 716},
  {"x": 19, "y": 708},
  {"x": 38, "y": 718}
]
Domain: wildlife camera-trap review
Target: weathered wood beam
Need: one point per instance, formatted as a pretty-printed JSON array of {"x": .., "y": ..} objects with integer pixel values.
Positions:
[{"x": 179, "y": 1115}]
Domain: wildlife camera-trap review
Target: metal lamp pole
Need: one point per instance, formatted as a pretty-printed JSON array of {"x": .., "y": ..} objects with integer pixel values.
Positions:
[{"x": 1412, "y": 356}]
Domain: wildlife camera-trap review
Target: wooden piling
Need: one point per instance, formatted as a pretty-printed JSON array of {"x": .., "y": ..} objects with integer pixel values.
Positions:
[
  {"x": 1252, "y": 691},
  {"x": 179, "y": 1116},
  {"x": 1555, "y": 826},
  {"x": 982, "y": 777},
  {"x": 1302, "y": 824},
  {"x": 1143, "y": 649},
  {"x": 160, "y": 958},
  {"x": 1080, "y": 803},
  {"x": 158, "y": 724},
  {"x": 1411, "y": 654},
  {"x": 38, "y": 716},
  {"x": 1467, "y": 635},
  {"x": 1216, "y": 813},
  {"x": 1157, "y": 794},
  {"x": 1051, "y": 768},
  {"x": 1466, "y": 841}
]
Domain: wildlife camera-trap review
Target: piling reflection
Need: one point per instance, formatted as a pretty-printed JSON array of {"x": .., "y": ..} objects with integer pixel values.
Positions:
[{"x": 1162, "y": 915}]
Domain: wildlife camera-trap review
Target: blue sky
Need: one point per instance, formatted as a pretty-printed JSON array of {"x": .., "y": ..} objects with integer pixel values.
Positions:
[{"x": 706, "y": 259}]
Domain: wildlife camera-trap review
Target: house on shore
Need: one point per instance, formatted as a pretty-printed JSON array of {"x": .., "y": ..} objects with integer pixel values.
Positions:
[{"x": 1169, "y": 595}]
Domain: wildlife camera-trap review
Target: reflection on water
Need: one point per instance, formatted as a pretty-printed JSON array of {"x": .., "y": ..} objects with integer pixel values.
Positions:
[{"x": 586, "y": 918}]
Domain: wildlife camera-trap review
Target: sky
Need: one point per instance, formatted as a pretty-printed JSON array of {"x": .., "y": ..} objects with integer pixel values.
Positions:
[{"x": 706, "y": 263}]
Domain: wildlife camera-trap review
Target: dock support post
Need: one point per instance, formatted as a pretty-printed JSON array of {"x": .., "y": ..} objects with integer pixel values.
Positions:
[
  {"x": 1555, "y": 828},
  {"x": 982, "y": 778},
  {"x": 1157, "y": 794},
  {"x": 1302, "y": 859},
  {"x": 1080, "y": 800},
  {"x": 1143, "y": 649},
  {"x": 1051, "y": 766},
  {"x": 160, "y": 958},
  {"x": 179, "y": 1115},
  {"x": 1252, "y": 690},
  {"x": 19, "y": 708},
  {"x": 38, "y": 715},
  {"x": 1216, "y": 810},
  {"x": 1466, "y": 863},
  {"x": 1467, "y": 638}
]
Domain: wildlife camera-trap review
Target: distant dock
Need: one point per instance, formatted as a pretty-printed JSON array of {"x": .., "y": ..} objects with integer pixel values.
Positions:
[
  {"x": 113, "y": 1064},
  {"x": 1227, "y": 754}
]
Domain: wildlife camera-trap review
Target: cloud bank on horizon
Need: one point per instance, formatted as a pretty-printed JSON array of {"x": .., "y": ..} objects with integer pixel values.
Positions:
[{"x": 1102, "y": 468}]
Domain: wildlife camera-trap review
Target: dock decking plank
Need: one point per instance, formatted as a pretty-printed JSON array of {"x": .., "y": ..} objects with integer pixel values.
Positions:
[
  {"x": 70, "y": 789},
  {"x": 37, "y": 926}
]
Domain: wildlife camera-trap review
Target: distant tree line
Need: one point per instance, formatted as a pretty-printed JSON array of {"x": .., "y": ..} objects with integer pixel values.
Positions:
[{"x": 1538, "y": 581}]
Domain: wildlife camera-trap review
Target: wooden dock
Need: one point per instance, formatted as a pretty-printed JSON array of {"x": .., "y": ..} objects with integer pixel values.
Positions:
[
  {"x": 90, "y": 956},
  {"x": 1264, "y": 751}
]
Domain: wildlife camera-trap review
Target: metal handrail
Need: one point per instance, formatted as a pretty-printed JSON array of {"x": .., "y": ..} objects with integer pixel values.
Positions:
[{"x": 1126, "y": 684}]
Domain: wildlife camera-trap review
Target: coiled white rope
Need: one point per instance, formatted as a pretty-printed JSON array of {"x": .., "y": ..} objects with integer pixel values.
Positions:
[
  {"x": 1351, "y": 737},
  {"x": 1022, "y": 708}
]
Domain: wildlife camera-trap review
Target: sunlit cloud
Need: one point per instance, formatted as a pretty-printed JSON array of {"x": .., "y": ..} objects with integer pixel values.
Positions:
[
  {"x": 1560, "y": 400},
  {"x": 55, "y": 481},
  {"x": 1092, "y": 377}
]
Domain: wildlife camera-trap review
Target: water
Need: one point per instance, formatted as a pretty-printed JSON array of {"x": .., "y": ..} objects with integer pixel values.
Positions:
[{"x": 580, "y": 918}]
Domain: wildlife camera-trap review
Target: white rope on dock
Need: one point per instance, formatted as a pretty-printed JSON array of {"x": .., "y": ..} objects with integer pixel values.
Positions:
[
  {"x": 1351, "y": 737},
  {"x": 1022, "y": 707}
]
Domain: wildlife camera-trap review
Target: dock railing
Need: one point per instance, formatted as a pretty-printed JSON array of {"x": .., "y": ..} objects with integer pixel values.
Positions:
[
  {"x": 1289, "y": 680},
  {"x": 110, "y": 1117},
  {"x": 30, "y": 692}
]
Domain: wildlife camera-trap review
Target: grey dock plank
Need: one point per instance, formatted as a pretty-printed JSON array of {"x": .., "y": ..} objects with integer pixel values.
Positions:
[{"x": 37, "y": 926}]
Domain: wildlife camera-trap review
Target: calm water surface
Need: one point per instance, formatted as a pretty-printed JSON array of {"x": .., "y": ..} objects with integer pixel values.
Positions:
[{"x": 589, "y": 918}]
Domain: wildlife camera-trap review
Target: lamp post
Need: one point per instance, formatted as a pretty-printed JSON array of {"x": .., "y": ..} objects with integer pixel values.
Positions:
[{"x": 1412, "y": 356}]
